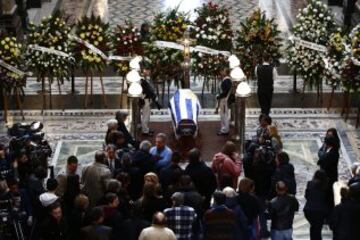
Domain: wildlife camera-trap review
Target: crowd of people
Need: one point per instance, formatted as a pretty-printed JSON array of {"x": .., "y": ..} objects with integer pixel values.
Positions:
[{"x": 136, "y": 190}]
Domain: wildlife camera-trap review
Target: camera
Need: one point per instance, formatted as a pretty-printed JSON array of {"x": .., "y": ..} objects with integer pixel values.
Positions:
[{"x": 30, "y": 138}]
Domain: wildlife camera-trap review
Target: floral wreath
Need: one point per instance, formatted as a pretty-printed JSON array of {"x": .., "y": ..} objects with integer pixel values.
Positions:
[
  {"x": 95, "y": 32},
  {"x": 167, "y": 26},
  {"x": 126, "y": 41},
  {"x": 351, "y": 64},
  {"x": 315, "y": 23},
  {"x": 52, "y": 33},
  {"x": 212, "y": 29},
  {"x": 257, "y": 36},
  {"x": 10, "y": 52}
]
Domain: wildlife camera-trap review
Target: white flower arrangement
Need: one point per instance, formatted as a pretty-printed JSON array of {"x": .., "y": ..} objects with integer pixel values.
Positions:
[
  {"x": 52, "y": 33},
  {"x": 315, "y": 23},
  {"x": 213, "y": 30}
]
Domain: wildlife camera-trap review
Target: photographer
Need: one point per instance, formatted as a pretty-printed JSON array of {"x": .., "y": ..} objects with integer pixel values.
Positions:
[
  {"x": 15, "y": 211},
  {"x": 28, "y": 139},
  {"x": 22, "y": 168},
  {"x": 6, "y": 170}
]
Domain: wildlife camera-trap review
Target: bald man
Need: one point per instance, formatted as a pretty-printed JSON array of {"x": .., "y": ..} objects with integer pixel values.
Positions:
[{"x": 157, "y": 231}]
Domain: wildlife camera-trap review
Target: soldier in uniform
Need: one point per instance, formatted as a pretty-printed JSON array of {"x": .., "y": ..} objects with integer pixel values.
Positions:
[
  {"x": 222, "y": 98},
  {"x": 149, "y": 96}
]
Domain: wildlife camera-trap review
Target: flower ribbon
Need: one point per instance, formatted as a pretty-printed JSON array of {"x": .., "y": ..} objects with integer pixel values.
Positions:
[
  {"x": 12, "y": 68},
  {"x": 89, "y": 46},
  {"x": 49, "y": 50},
  {"x": 307, "y": 44},
  {"x": 202, "y": 49},
  {"x": 98, "y": 51}
]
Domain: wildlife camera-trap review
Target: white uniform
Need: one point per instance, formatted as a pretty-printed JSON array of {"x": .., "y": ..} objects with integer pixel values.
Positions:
[
  {"x": 224, "y": 115},
  {"x": 145, "y": 116}
]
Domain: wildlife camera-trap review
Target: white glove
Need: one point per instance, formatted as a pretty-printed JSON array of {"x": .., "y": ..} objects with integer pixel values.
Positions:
[{"x": 29, "y": 221}]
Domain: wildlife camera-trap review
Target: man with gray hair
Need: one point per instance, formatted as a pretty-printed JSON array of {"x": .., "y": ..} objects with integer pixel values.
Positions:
[
  {"x": 142, "y": 158},
  {"x": 180, "y": 218},
  {"x": 95, "y": 178},
  {"x": 161, "y": 152},
  {"x": 143, "y": 161},
  {"x": 121, "y": 116}
]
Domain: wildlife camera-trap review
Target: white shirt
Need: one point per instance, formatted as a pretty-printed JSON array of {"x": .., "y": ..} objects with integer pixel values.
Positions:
[
  {"x": 275, "y": 74},
  {"x": 157, "y": 233}
]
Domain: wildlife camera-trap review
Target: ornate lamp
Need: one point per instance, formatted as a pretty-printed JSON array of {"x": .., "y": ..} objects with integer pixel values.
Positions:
[
  {"x": 243, "y": 91},
  {"x": 134, "y": 91}
]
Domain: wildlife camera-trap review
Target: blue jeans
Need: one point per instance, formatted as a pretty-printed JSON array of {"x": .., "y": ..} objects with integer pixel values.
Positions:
[{"x": 281, "y": 234}]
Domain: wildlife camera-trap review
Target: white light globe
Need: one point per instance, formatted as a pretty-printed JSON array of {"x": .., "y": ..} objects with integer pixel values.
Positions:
[
  {"x": 237, "y": 74},
  {"x": 135, "y": 63},
  {"x": 135, "y": 90},
  {"x": 243, "y": 90},
  {"x": 233, "y": 61},
  {"x": 133, "y": 76}
]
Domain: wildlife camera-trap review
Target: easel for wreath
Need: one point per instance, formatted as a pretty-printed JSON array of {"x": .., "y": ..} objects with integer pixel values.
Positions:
[
  {"x": 44, "y": 92},
  {"x": 90, "y": 77},
  {"x": 15, "y": 89},
  {"x": 17, "y": 99}
]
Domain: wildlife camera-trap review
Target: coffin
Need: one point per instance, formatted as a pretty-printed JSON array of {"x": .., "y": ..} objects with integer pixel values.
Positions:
[{"x": 185, "y": 108}]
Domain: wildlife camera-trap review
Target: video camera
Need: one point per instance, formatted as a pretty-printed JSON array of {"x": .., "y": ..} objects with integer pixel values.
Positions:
[{"x": 29, "y": 137}]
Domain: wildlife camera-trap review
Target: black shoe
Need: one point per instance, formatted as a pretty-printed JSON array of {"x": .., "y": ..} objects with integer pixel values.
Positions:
[{"x": 220, "y": 133}]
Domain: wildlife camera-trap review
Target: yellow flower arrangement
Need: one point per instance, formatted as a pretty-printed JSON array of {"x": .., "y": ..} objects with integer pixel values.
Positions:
[{"x": 10, "y": 53}]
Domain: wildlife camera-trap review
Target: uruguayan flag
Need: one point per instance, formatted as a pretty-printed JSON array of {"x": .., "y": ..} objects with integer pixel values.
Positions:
[{"x": 184, "y": 105}]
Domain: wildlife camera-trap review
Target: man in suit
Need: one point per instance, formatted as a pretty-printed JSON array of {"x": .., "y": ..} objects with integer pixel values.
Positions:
[
  {"x": 222, "y": 98},
  {"x": 266, "y": 75},
  {"x": 121, "y": 117},
  {"x": 96, "y": 230},
  {"x": 95, "y": 177},
  {"x": 112, "y": 161}
]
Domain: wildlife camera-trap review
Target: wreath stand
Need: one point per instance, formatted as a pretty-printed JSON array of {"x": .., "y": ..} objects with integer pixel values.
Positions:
[
  {"x": 44, "y": 91},
  {"x": 18, "y": 103},
  {"x": 91, "y": 89},
  {"x": 346, "y": 104},
  {"x": 319, "y": 91},
  {"x": 331, "y": 97},
  {"x": 122, "y": 91}
]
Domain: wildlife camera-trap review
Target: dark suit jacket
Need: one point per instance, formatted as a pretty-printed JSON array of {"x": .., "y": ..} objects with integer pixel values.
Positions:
[
  {"x": 329, "y": 163},
  {"x": 316, "y": 197},
  {"x": 95, "y": 232}
]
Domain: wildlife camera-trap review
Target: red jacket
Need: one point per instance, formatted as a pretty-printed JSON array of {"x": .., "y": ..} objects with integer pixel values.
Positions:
[{"x": 224, "y": 165}]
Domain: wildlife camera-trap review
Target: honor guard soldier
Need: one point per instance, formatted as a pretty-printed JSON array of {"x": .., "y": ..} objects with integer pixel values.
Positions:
[
  {"x": 266, "y": 74},
  {"x": 222, "y": 98},
  {"x": 148, "y": 96}
]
